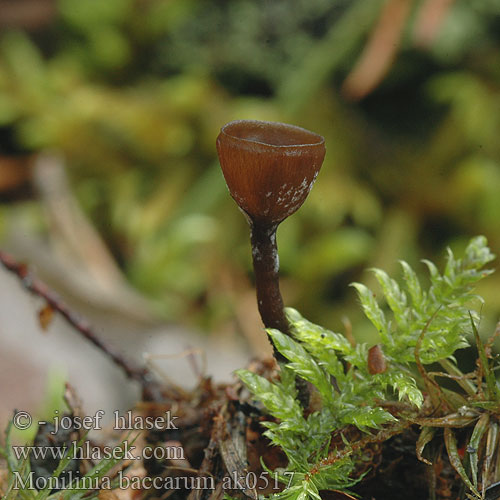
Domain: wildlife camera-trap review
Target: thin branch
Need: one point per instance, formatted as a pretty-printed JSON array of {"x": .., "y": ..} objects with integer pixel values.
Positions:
[{"x": 134, "y": 371}]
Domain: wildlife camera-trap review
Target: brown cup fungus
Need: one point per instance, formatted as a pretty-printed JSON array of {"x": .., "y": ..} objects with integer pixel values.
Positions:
[{"x": 269, "y": 169}]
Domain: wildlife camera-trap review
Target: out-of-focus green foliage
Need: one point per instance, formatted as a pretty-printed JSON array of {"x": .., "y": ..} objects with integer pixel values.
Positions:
[{"x": 133, "y": 93}]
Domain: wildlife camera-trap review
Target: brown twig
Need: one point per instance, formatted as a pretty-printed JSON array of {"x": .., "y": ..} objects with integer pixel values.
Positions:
[{"x": 150, "y": 386}]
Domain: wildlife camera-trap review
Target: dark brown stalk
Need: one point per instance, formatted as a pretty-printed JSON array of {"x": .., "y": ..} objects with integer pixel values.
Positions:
[
  {"x": 269, "y": 299},
  {"x": 266, "y": 267}
]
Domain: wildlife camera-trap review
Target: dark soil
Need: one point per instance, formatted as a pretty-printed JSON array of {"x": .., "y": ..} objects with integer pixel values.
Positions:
[{"x": 401, "y": 476}]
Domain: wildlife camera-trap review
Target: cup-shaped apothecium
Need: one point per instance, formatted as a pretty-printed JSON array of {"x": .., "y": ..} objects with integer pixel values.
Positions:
[{"x": 269, "y": 169}]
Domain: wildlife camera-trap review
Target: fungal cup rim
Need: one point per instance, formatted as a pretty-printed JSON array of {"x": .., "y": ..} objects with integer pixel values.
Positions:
[{"x": 278, "y": 128}]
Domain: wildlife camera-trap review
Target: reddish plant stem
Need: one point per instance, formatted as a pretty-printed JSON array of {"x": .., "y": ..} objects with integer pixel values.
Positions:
[{"x": 150, "y": 386}]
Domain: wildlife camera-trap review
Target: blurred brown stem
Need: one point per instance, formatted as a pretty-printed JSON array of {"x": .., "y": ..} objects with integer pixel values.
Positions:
[
  {"x": 150, "y": 386},
  {"x": 430, "y": 19},
  {"x": 380, "y": 50}
]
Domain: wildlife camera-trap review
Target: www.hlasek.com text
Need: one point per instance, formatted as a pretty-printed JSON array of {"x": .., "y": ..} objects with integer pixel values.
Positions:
[{"x": 86, "y": 451}]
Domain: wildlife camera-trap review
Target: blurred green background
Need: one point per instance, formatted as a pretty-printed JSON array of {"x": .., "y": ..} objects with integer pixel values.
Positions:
[{"x": 132, "y": 94}]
